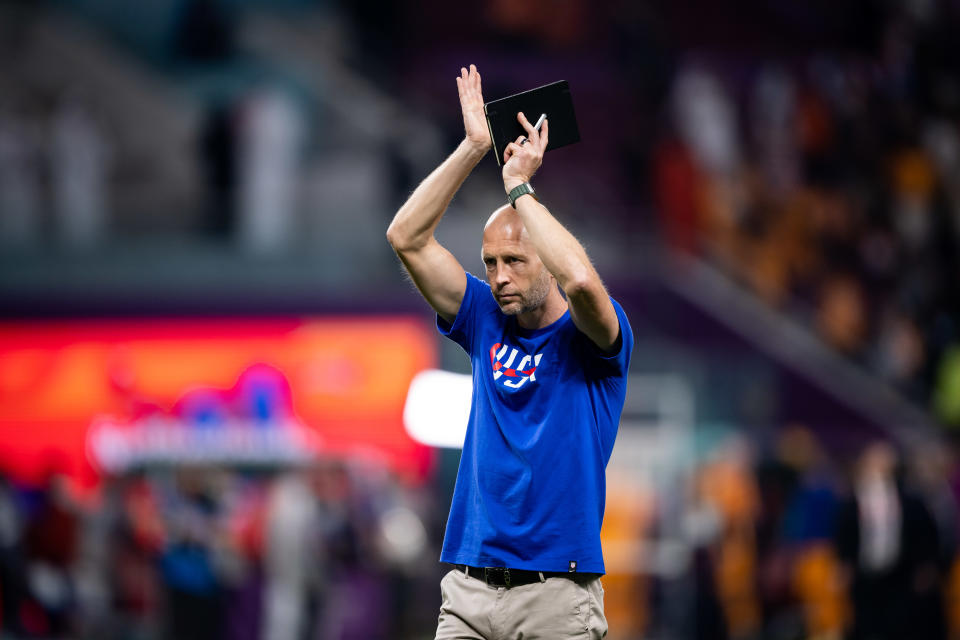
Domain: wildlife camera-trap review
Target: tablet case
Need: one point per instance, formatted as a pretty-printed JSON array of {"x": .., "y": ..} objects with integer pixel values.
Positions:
[{"x": 552, "y": 99}]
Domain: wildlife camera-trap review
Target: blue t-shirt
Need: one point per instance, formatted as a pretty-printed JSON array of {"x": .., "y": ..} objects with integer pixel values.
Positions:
[{"x": 546, "y": 405}]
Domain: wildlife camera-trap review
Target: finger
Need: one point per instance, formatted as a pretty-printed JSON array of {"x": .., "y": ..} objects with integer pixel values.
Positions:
[
  {"x": 460, "y": 87},
  {"x": 474, "y": 78},
  {"x": 521, "y": 139},
  {"x": 544, "y": 135},
  {"x": 531, "y": 132},
  {"x": 469, "y": 81},
  {"x": 511, "y": 149}
]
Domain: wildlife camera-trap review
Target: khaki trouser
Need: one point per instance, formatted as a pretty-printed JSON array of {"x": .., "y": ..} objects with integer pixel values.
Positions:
[{"x": 551, "y": 610}]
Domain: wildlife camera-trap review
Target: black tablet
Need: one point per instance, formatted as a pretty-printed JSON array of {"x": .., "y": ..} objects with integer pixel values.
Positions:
[{"x": 552, "y": 99}]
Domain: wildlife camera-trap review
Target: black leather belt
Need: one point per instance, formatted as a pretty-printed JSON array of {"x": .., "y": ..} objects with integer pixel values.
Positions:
[{"x": 504, "y": 577}]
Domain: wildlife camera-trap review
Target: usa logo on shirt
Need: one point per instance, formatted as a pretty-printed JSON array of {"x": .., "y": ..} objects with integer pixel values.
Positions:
[{"x": 506, "y": 373}]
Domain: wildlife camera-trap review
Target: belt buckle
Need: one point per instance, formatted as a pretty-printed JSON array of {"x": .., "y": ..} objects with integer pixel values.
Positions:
[{"x": 490, "y": 573}]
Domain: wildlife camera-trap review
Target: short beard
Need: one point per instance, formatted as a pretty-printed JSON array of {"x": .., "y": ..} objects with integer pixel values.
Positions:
[{"x": 533, "y": 297}]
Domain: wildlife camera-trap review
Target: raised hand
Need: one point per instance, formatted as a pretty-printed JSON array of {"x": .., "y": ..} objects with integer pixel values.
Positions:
[
  {"x": 471, "y": 102},
  {"x": 522, "y": 158}
]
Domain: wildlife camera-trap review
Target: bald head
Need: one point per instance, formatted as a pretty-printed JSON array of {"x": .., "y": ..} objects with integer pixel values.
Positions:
[{"x": 505, "y": 224}]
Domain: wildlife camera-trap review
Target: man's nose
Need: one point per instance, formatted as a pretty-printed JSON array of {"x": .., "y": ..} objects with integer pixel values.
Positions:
[{"x": 502, "y": 275}]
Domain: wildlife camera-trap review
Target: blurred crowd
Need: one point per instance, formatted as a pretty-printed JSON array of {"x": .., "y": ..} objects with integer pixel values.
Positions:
[
  {"x": 829, "y": 184},
  {"x": 791, "y": 542},
  {"x": 785, "y": 541},
  {"x": 333, "y": 550}
]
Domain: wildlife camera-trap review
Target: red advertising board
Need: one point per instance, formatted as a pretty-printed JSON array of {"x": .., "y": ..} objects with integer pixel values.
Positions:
[{"x": 94, "y": 396}]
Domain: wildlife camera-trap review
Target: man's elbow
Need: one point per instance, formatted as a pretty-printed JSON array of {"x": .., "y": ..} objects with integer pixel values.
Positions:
[
  {"x": 404, "y": 242},
  {"x": 392, "y": 236},
  {"x": 397, "y": 239},
  {"x": 579, "y": 285}
]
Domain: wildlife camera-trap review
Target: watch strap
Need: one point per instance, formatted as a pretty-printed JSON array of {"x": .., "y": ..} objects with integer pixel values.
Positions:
[{"x": 520, "y": 190}]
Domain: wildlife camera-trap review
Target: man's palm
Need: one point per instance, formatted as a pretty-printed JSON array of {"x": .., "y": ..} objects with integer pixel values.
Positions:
[{"x": 471, "y": 102}]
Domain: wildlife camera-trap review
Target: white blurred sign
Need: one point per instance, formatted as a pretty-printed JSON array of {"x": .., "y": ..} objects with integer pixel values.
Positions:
[{"x": 438, "y": 408}]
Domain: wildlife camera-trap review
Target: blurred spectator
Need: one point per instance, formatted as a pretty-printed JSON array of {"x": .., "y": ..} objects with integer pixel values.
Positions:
[
  {"x": 913, "y": 181},
  {"x": 135, "y": 540},
  {"x": 218, "y": 155},
  {"x": 290, "y": 557},
  {"x": 79, "y": 164},
  {"x": 888, "y": 543},
  {"x": 675, "y": 185},
  {"x": 807, "y": 532},
  {"x": 19, "y": 182},
  {"x": 246, "y": 522},
  {"x": 270, "y": 144},
  {"x": 841, "y": 317},
  {"x": 901, "y": 354},
  {"x": 727, "y": 483},
  {"x": 52, "y": 537},
  {"x": 773, "y": 117},
  {"x": 702, "y": 527},
  {"x": 12, "y": 577},
  {"x": 193, "y": 588},
  {"x": 355, "y": 602},
  {"x": 929, "y": 470},
  {"x": 706, "y": 120}
]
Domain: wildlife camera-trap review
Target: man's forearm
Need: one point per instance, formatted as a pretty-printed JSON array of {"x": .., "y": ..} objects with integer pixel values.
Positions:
[
  {"x": 414, "y": 223},
  {"x": 561, "y": 253},
  {"x": 564, "y": 256}
]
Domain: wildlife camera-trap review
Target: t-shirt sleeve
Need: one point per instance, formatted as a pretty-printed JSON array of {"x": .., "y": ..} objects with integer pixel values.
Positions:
[
  {"x": 463, "y": 327},
  {"x": 601, "y": 364}
]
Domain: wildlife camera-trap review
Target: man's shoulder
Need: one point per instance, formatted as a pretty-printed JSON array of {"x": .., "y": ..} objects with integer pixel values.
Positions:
[
  {"x": 475, "y": 282},
  {"x": 480, "y": 295}
]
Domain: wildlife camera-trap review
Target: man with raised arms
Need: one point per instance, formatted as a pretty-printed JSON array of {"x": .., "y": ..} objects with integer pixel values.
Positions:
[{"x": 550, "y": 350}]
